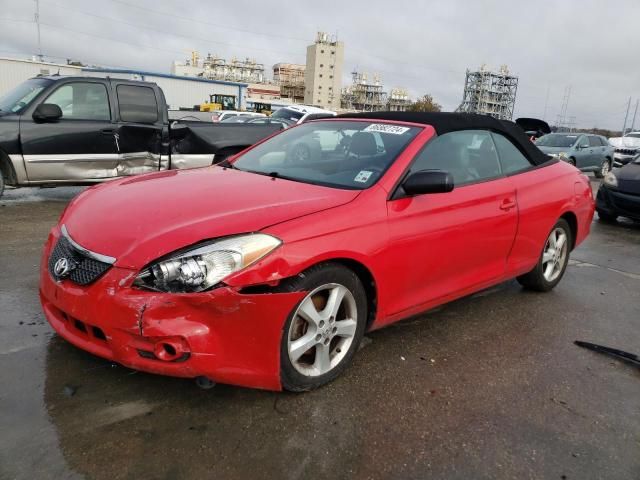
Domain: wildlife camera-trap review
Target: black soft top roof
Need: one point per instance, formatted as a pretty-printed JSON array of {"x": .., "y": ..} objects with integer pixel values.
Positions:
[{"x": 445, "y": 122}]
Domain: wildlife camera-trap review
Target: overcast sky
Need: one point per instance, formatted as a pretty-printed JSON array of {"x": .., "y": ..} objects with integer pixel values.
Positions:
[{"x": 425, "y": 46}]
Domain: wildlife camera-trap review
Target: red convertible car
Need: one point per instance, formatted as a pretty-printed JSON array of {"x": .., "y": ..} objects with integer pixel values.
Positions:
[{"x": 267, "y": 270}]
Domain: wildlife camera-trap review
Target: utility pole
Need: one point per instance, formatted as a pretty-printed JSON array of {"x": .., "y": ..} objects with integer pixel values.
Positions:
[
  {"x": 546, "y": 102},
  {"x": 624, "y": 127},
  {"x": 37, "y": 19},
  {"x": 633, "y": 122}
]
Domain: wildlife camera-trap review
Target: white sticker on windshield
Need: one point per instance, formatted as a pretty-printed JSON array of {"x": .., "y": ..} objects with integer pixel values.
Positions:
[
  {"x": 385, "y": 128},
  {"x": 362, "y": 176}
]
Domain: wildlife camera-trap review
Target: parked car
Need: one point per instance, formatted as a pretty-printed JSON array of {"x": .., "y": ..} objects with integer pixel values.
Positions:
[
  {"x": 296, "y": 114},
  {"x": 215, "y": 117},
  {"x": 80, "y": 130},
  {"x": 267, "y": 270},
  {"x": 222, "y": 115},
  {"x": 619, "y": 194},
  {"x": 590, "y": 153},
  {"x": 626, "y": 147},
  {"x": 280, "y": 122},
  {"x": 239, "y": 119}
]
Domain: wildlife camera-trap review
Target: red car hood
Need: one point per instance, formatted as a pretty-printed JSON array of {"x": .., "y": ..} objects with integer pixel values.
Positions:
[{"x": 137, "y": 220}]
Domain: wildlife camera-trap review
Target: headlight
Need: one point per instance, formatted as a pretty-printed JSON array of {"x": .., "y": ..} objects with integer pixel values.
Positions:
[
  {"x": 206, "y": 265},
  {"x": 610, "y": 180}
]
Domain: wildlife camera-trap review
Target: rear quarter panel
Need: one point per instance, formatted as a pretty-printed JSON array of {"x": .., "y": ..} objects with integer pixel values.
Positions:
[{"x": 544, "y": 195}]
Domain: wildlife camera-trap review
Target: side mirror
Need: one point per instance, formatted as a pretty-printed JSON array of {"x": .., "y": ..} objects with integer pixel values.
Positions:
[
  {"x": 428, "y": 181},
  {"x": 47, "y": 112}
]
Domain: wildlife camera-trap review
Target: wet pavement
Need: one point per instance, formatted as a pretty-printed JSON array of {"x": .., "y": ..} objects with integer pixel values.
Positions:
[{"x": 490, "y": 386}]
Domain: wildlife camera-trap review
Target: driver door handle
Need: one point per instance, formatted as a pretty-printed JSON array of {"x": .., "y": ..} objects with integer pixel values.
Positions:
[{"x": 507, "y": 204}]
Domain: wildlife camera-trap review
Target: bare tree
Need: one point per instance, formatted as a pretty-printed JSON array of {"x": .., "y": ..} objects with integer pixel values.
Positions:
[{"x": 425, "y": 104}]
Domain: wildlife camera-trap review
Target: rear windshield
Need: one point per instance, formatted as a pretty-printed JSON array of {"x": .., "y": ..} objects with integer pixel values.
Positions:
[
  {"x": 557, "y": 140},
  {"x": 341, "y": 154},
  {"x": 288, "y": 114}
]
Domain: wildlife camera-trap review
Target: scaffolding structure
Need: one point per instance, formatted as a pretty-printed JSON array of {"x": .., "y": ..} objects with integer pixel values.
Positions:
[
  {"x": 490, "y": 93},
  {"x": 398, "y": 100},
  {"x": 363, "y": 94},
  {"x": 290, "y": 78},
  {"x": 247, "y": 70}
]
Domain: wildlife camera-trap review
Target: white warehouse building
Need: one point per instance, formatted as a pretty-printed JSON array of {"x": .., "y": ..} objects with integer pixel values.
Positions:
[{"x": 180, "y": 92}]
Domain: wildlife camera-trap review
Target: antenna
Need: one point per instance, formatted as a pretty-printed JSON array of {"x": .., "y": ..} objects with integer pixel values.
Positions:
[{"x": 37, "y": 20}]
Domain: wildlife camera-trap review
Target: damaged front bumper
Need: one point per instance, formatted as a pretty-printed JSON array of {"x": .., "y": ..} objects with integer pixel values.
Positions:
[{"x": 223, "y": 334}]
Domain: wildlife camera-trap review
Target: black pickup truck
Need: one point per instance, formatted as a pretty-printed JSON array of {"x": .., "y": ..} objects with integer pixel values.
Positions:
[{"x": 58, "y": 130}]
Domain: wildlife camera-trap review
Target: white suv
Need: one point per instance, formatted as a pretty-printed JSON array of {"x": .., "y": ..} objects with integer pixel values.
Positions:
[{"x": 296, "y": 114}]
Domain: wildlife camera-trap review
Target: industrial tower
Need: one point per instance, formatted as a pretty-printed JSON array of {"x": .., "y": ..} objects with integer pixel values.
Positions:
[{"x": 490, "y": 93}]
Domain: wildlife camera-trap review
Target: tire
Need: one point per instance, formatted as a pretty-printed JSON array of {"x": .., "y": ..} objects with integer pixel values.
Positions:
[
  {"x": 605, "y": 167},
  {"x": 323, "y": 335},
  {"x": 606, "y": 217},
  {"x": 543, "y": 278},
  {"x": 572, "y": 161},
  {"x": 2, "y": 182}
]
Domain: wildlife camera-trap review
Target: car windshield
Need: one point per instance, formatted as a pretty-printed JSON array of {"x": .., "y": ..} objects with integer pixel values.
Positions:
[
  {"x": 287, "y": 114},
  {"x": 21, "y": 96},
  {"x": 557, "y": 140},
  {"x": 340, "y": 154}
]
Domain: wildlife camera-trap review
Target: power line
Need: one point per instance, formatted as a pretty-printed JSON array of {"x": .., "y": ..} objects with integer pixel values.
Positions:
[{"x": 156, "y": 30}]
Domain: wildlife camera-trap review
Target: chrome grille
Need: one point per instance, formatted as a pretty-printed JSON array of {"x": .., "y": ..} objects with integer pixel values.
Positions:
[{"x": 83, "y": 269}]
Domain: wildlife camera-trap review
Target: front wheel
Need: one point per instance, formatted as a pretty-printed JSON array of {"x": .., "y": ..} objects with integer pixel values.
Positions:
[
  {"x": 553, "y": 260},
  {"x": 607, "y": 217},
  {"x": 605, "y": 167},
  {"x": 324, "y": 330}
]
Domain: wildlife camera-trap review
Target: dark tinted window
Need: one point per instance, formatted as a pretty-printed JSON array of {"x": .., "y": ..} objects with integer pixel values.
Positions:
[
  {"x": 469, "y": 156},
  {"x": 511, "y": 159},
  {"x": 137, "y": 104},
  {"x": 594, "y": 142},
  {"x": 82, "y": 101}
]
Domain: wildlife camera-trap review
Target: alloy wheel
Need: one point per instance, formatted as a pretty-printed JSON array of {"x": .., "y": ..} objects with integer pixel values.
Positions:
[
  {"x": 605, "y": 168},
  {"x": 555, "y": 254},
  {"x": 323, "y": 328}
]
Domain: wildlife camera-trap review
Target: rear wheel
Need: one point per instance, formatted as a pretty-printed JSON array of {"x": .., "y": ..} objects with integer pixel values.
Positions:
[
  {"x": 605, "y": 167},
  {"x": 324, "y": 330},
  {"x": 572, "y": 161},
  {"x": 553, "y": 260}
]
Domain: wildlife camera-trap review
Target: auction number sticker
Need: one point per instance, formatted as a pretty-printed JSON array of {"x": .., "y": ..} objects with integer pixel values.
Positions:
[
  {"x": 385, "y": 128},
  {"x": 362, "y": 176}
]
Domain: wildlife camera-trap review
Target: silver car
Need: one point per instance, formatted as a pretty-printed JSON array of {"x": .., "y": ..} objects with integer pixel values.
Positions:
[{"x": 590, "y": 153}]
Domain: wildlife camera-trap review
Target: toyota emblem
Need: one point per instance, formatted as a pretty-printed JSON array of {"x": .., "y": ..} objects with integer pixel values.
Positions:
[{"x": 62, "y": 268}]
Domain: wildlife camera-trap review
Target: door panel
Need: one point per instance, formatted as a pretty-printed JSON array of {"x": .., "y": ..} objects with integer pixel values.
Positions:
[
  {"x": 80, "y": 146},
  {"x": 139, "y": 130},
  {"x": 451, "y": 241}
]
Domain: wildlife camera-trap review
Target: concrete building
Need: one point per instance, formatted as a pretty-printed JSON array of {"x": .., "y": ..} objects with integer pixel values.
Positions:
[
  {"x": 323, "y": 75},
  {"x": 290, "y": 78},
  {"x": 179, "y": 91}
]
